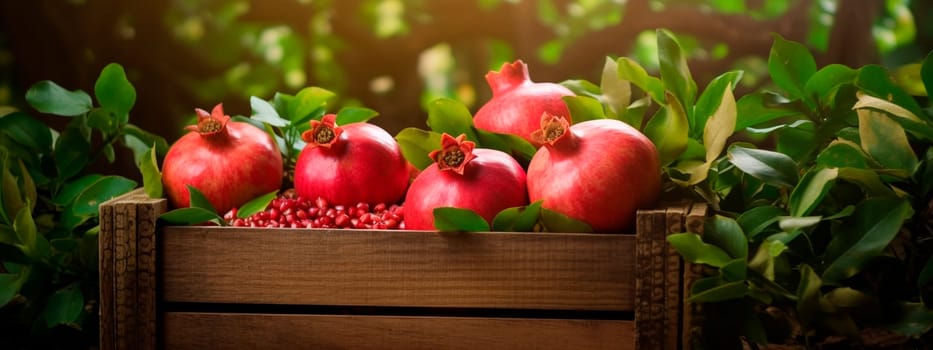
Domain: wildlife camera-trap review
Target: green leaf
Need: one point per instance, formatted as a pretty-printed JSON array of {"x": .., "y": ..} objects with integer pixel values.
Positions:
[
  {"x": 668, "y": 130},
  {"x": 714, "y": 289},
  {"x": 873, "y": 226},
  {"x": 308, "y": 101},
  {"x": 616, "y": 92},
  {"x": 735, "y": 271},
  {"x": 140, "y": 142},
  {"x": 114, "y": 92},
  {"x": 875, "y": 80},
  {"x": 416, "y": 144},
  {"x": 793, "y": 223},
  {"x": 868, "y": 180},
  {"x": 886, "y": 141},
  {"x": 711, "y": 99},
  {"x": 798, "y": 140},
  {"x": 451, "y": 116},
  {"x": 64, "y": 307},
  {"x": 674, "y": 71},
  {"x": 756, "y": 220},
  {"x": 27, "y": 131},
  {"x": 726, "y": 233},
  {"x": 30, "y": 194},
  {"x": 72, "y": 153},
  {"x": 583, "y": 108},
  {"x": 449, "y": 219},
  {"x": 926, "y": 275},
  {"x": 773, "y": 168},
  {"x": 10, "y": 284},
  {"x": 895, "y": 110},
  {"x": 760, "y": 108},
  {"x": 824, "y": 82},
  {"x": 152, "y": 177},
  {"x": 47, "y": 97},
  {"x": 72, "y": 189},
  {"x": 517, "y": 147},
  {"x": 913, "y": 319},
  {"x": 198, "y": 200},
  {"x": 634, "y": 72},
  {"x": 764, "y": 260},
  {"x": 102, "y": 190},
  {"x": 814, "y": 185},
  {"x": 349, "y": 115},
  {"x": 808, "y": 294},
  {"x": 264, "y": 112},
  {"x": 842, "y": 154},
  {"x": 791, "y": 65},
  {"x": 255, "y": 205},
  {"x": 719, "y": 126},
  {"x": 26, "y": 231},
  {"x": 926, "y": 73},
  {"x": 517, "y": 219},
  {"x": 695, "y": 251},
  {"x": 10, "y": 196},
  {"x": 554, "y": 221},
  {"x": 190, "y": 216}
]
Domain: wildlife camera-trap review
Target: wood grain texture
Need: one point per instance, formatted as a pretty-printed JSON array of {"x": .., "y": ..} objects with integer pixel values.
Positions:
[
  {"x": 673, "y": 278},
  {"x": 105, "y": 267},
  {"x": 692, "y": 313},
  {"x": 128, "y": 271},
  {"x": 261, "y": 331},
  {"x": 650, "y": 279},
  {"x": 125, "y": 274},
  {"x": 393, "y": 268}
]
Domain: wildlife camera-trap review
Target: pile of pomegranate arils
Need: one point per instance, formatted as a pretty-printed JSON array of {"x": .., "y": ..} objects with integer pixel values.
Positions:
[{"x": 289, "y": 210}]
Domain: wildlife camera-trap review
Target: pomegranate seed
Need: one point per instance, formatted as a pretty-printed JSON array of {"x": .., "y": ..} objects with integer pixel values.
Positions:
[
  {"x": 379, "y": 208},
  {"x": 342, "y": 220},
  {"x": 321, "y": 203}
]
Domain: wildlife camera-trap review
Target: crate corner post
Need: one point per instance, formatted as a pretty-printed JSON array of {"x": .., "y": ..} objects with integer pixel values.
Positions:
[{"x": 127, "y": 265}]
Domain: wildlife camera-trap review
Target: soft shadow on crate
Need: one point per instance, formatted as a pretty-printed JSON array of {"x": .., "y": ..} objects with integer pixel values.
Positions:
[{"x": 241, "y": 288}]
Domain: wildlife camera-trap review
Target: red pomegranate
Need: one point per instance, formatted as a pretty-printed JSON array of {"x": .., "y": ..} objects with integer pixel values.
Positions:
[
  {"x": 598, "y": 171},
  {"x": 485, "y": 181},
  {"x": 229, "y": 162},
  {"x": 350, "y": 164},
  {"x": 517, "y": 103}
]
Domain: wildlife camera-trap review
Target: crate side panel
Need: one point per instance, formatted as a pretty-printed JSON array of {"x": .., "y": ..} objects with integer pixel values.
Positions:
[
  {"x": 267, "y": 331},
  {"x": 392, "y": 268}
]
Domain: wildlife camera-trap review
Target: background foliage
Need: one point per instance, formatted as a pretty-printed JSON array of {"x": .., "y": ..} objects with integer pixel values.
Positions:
[{"x": 395, "y": 56}]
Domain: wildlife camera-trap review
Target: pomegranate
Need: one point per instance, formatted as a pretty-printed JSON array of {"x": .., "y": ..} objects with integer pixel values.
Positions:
[
  {"x": 229, "y": 162},
  {"x": 349, "y": 164},
  {"x": 517, "y": 103},
  {"x": 597, "y": 171},
  {"x": 462, "y": 176}
]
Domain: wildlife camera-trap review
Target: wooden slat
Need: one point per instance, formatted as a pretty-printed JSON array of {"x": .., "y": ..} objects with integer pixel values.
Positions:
[
  {"x": 650, "y": 279},
  {"x": 105, "y": 268},
  {"x": 393, "y": 268},
  {"x": 673, "y": 277},
  {"x": 125, "y": 274},
  {"x": 692, "y": 312},
  {"x": 263, "y": 331},
  {"x": 128, "y": 271}
]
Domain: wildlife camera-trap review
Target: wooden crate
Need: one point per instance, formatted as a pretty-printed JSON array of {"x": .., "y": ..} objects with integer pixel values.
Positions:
[{"x": 241, "y": 288}]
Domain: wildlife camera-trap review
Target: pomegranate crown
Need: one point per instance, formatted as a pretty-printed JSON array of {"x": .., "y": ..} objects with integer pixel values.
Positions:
[
  {"x": 509, "y": 76},
  {"x": 210, "y": 123},
  {"x": 323, "y": 133},
  {"x": 454, "y": 154},
  {"x": 553, "y": 128}
]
